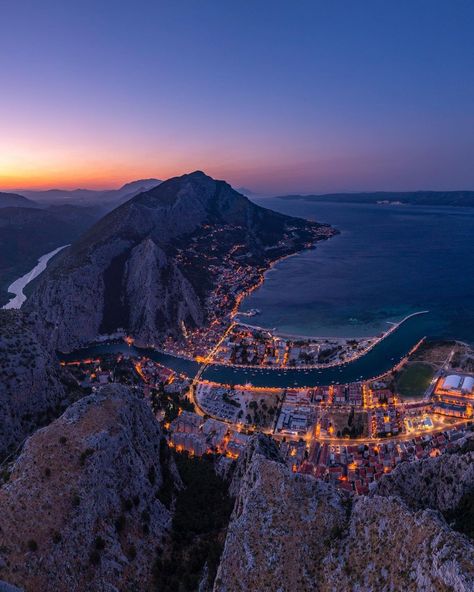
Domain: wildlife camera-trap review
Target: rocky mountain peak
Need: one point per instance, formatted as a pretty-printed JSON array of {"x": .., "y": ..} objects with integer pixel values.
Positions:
[
  {"x": 149, "y": 266},
  {"x": 292, "y": 532}
]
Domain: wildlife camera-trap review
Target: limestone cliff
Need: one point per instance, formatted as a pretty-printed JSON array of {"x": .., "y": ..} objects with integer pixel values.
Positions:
[
  {"x": 31, "y": 391},
  {"x": 387, "y": 547},
  {"x": 281, "y": 526},
  {"x": 159, "y": 290},
  {"x": 80, "y": 511},
  {"x": 290, "y": 532},
  {"x": 438, "y": 483}
]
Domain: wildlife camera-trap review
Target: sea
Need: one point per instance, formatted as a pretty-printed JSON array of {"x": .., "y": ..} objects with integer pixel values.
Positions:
[{"x": 387, "y": 262}]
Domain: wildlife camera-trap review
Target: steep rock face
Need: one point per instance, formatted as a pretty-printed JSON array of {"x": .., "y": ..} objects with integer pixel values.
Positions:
[
  {"x": 160, "y": 291},
  {"x": 387, "y": 547},
  {"x": 94, "y": 286},
  {"x": 31, "y": 391},
  {"x": 291, "y": 532},
  {"x": 80, "y": 510},
  {"x": 280, "y": 528},
  {"x": 260, "y": 446},
  {"x": 68, "y": 309},
  {"x": 438, "y": 483}
]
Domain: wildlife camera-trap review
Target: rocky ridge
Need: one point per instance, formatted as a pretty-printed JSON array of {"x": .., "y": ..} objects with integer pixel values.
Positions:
[
  {"x": 438, "y": 483},
  {"x": 279, "y": 529},
  {"x": 291, "y": 531},
  {"x": 80, "y": 510},
  {"x": 32, "y": 391}
]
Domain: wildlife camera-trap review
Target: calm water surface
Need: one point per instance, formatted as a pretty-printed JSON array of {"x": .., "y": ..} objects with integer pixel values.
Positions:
[{"x": 387, "y": 262}]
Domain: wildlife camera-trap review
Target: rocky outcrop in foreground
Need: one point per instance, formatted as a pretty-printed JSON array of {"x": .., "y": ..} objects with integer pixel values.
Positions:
[
  {"x": 292, "y": 532},
  {"x": 31, "y": 389},
  {"x": 438, "y": 483},
  {"x": 80, "y": 511},
  {"x": 280, "y": 527}
]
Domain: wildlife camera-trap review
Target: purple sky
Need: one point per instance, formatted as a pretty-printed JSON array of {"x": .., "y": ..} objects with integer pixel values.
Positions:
[{"x": 279, "y": 97}]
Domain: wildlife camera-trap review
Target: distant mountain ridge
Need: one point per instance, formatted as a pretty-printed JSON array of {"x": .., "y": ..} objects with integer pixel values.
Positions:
[
  {"x": 44, "y": 220},
  {"x": 14, "y": 200},
  {"x": 90, "y": 196},
  {"x": 421, "y": 198},
  {"x": 27, "y": 233}
]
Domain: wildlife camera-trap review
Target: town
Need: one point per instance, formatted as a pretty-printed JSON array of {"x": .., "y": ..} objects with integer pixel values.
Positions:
[
  {"x": 347, "y": 434},
  {"x": 249, "y": 346},
  {"x": 225, "y": 271}
]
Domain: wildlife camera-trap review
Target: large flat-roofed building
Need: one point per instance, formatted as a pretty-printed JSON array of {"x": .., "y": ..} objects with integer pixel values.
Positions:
[
  {"x": 456, "y": 383},
  {"x": 468, "y": 385},
  {"x": 454, "y": 395},
  {"x": 451, "y": 382}
]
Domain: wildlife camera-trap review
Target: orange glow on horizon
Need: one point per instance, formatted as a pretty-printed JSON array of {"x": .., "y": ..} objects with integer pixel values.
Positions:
[
  {"x": 32, "y": 163},
  {"x": 40, "y": 167},
  {"x": 17, "y": 180}
]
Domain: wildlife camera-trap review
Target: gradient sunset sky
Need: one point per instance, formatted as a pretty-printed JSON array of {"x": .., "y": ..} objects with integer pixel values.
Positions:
[{"x": 294, "y": 96}]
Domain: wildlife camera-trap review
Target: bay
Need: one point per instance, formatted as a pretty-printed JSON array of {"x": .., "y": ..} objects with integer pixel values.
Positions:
[{"x": 387, "y": 262}]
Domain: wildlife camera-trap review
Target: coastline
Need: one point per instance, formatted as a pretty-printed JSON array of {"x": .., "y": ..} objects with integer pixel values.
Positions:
[
  {"x": 375, "y": 342},
  {"x": 393, "y": 325},
  {"x": 244, "y": 294}
]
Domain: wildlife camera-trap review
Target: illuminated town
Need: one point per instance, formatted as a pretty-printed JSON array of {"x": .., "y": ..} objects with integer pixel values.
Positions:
[{"x": 349, "y": 434}]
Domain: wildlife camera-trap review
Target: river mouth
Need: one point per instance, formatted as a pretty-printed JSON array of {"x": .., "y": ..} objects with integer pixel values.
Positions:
[
  {"x": 18, "y": 286},
  {"x": 378, "y": 361}
]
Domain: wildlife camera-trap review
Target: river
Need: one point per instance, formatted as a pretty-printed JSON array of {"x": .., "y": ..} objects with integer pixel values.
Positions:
[
  {"x": 377, "y": 361},
  {"x": 19, "y": 285}
]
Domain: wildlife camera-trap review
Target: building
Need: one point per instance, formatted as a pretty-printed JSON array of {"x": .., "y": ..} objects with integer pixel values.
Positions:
[
  {"x": 456, "y": 383},
  {"x": 454, "y": 395}
]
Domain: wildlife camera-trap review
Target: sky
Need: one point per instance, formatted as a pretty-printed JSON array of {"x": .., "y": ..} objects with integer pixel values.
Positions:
[{"x": 277, "y": 97}]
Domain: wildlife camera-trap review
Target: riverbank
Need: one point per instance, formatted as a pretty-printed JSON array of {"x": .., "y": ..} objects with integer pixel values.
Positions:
[
  {"x": 344, "y": 350},
  {"x": 17, "y": 287},
  {"x": 380, "y": 360}
]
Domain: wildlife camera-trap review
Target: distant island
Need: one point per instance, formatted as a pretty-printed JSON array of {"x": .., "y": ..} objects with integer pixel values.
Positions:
[{"x": 416, "y": 198}]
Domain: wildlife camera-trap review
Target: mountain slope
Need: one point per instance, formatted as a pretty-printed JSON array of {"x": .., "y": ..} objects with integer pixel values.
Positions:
[
  {"x": 280, "y": 527},
  {"x": 13, "y": 200},
  {"x": 168, "y": 261},
  {"x": 27, "y": 233},
  {"x": 80, "y": 510},
  {"x": 293, "y": 532},
  {"x": 31, "y": 391}
]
